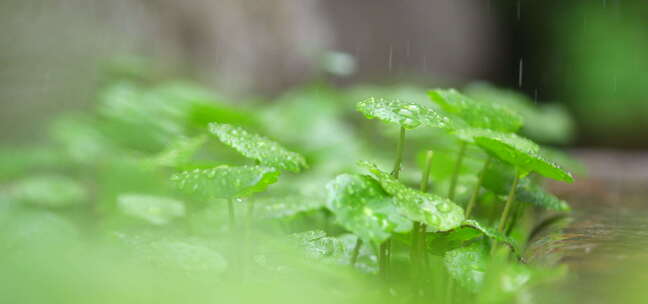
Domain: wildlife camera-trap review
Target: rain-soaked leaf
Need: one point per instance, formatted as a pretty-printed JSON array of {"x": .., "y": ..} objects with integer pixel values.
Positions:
[
  {"x": 49, "y": 191},
  {"x": 477, "y": 114},
  {"x": 467, "y": 265},
  {"x": 361, "y": 206},
  {"x": 266, "y": 151},
  {"x": 179, "y": 153},
  {"x": 520, "y": 152},
  {"x": 406, "y": 114},
  {"x": 225, "y": 181},
  {"x": 153, "y": 209},
  {"x": 498, "y": 178},
  {"x": 440, "y": 214}
]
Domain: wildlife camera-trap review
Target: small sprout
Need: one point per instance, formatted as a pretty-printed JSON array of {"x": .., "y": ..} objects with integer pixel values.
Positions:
[
  {"x": 477, "y": 114},
  {"x": 364, "y": 208},
  {"x": 153, "y": 209},
  {"x": 262, "y": 149}
]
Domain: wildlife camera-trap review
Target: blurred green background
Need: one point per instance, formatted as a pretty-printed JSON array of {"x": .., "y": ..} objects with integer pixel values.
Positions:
[{"x": 588, "y": 56}]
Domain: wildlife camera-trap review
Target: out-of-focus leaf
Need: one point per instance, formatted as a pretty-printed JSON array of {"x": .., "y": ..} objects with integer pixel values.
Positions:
[
  {"x": 18, "y": 161},
  {"x": 153, "y": 209},
  {"x": 364, "y": 208},
  {"x": 498, "y": 178},
  {"x": 504, "y": 280},
  {"x": 520, "y": 152},
  {"x": 477, "y": 114},
  {"x": 338, "y": 63},
  {"x": 274, "y": 207},
  {"x": 179, "y": 153},
  {"x": 406, "y": 114},
  {"x": 148, "y": 118},
  {"x": 266, "y": 151},
  {"x": 49, "y": 191},
  {"x": 80, "y": 139},
  {"x": 193, "y": 256},
  {"x": 440, "y": 214},
  {"x": 546, "y": 123},
  {"x": 225, "y": 181},
  {"x": 30, "y": 228},
  {"x": 467, "y": 265}
]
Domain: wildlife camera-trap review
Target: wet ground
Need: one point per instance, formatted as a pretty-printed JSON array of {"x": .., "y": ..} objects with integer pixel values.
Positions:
[{"x": 607, "y": 239}]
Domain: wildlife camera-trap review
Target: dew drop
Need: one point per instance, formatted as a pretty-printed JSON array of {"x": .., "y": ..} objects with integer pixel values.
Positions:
[{"x": 443, "y": 207}]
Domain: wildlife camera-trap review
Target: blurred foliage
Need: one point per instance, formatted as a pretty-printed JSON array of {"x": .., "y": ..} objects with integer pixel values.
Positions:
[{"x": 97, "y": 212}]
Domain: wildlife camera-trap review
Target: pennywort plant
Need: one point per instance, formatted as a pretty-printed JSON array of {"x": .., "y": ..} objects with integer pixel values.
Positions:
[
  {"x": 456, "y": 229},
  {"x": 237, "y": 182},
  {"x": 379, "y": 207},
  {"x": 406, "y": 116}
]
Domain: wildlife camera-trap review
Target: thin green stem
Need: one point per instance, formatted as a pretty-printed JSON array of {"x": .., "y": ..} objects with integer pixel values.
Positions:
[
  {"x": 509, "y": 203},
  {"x": 384, "y": 254},
  {"x": 417, "y": 251},
  {"x": 475, "y": 194},
  {"x": 356, "y": 251},
  {"x": 457, "y": 169},
  {"x": 425, "y": 178},
  {"x": 382, "y": 259},
  {"x": 399, "y": 154}
]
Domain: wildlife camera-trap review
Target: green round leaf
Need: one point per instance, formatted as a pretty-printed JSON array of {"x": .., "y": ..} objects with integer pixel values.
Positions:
[
  {"x": 49, "y": 191},
  {"x": 407, "y": 115},
  {"x": 266, "y": 151},
  {"x": 226, "y": 182},
  {"x": 361, "y": 206},
  {"x": 477, "y": 114},
  {"x": 440, "y": 214},
  {"x": 153, "y": 209},
  {"x": 520, "y": 152},
  {"x": 498, "y": 179}
]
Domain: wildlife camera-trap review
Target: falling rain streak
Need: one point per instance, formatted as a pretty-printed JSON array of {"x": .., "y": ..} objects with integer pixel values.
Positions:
[{"x": 391, "y": 55}]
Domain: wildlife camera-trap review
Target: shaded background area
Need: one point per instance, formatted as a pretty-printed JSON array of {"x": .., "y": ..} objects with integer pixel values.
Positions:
[{"x": 589, "y": 55}]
